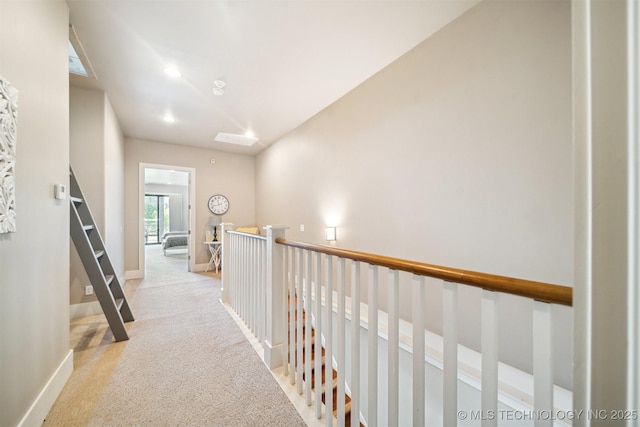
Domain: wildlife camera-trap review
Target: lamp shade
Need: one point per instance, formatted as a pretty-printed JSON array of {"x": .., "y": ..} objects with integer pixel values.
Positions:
[{"x": 214, "y": 220}]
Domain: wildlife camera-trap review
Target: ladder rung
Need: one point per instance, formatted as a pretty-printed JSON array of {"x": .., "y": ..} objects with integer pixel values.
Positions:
[
  {"x": 109, "y": 279},
  {"x": 98, "y": 254},
  {"x": 87, "y": 227},
  {"x": 76, "y": 199},
  {"x": 119, "y": 302}
]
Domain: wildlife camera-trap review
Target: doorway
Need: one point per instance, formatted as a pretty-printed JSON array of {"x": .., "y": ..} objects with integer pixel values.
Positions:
[{"x": 165, "y": 216}]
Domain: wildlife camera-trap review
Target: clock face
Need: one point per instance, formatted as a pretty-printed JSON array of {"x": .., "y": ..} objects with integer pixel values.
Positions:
[{"x": 218, "y": 204}]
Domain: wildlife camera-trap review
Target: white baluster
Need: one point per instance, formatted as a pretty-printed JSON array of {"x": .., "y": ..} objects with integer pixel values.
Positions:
[
  {"x": 250, "y": 284},
  {"x": 372, "y": 348},
  {"x": 307, "y": 328},
  {"x": 419, "y": 297},
  {"x": 300, "y": 296},
  {"x": 341, "y": 340},
  {"x": 234, "y": 275},
  {"x": 328, "y": 351},
  {"x": 261, "y": 318},
  {"x": 227, "y": 259},
  {"x": 450, "y": 356},
  {"x": 489, "y": 350},
  {"x": 394, "y": 347},
  {"x": 319, "y": 333},
  {"x": 355, "y": 343},
  {"x": 288, "y": 312},
  {"x": 542, "y": 362},
  {"x": 241, "y": 280},
  {"x": 292, "y": 317}
]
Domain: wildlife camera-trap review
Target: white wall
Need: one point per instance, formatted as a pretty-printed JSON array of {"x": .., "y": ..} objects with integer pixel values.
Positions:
[
  {"x": 457, "y": 154},
  {"x": 232, "y": 175},
  {"x": 34, "y": 261}
]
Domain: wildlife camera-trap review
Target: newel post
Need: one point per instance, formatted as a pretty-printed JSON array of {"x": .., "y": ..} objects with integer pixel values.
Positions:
[
  {"x": 226, "y": 261},
  {"x": 276, "y": 298}
]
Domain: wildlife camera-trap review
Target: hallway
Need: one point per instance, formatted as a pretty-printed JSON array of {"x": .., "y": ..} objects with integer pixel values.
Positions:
[{"x": 186, "y": 363}]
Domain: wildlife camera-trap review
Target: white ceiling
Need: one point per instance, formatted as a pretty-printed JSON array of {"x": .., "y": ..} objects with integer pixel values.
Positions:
[{"x": 283, "y": 60}]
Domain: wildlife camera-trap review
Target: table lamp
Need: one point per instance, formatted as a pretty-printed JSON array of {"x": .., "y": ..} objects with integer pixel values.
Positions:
[{"x": 214, "y": 221}]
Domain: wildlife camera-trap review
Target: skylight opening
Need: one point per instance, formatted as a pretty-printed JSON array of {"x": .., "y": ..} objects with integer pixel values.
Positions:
[
  {"x": 75, "y": 63},
  {"x": 233, "y": 138}
]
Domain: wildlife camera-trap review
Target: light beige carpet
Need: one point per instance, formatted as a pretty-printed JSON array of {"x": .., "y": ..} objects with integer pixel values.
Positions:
[{"x": 186, "y": 363}]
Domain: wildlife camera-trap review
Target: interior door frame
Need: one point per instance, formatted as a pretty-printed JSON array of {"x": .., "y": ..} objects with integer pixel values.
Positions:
[{"x": 191, "y": 216}]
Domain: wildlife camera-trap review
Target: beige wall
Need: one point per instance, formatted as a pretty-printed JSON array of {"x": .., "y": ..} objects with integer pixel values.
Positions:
[
  {"x": 231, "y": 175},
  {"x": 34, "y": 261},
  {"x": 97, "y": 158},
  {"x": 113, "y": 188},
  {"x": 457, "y": 154}
]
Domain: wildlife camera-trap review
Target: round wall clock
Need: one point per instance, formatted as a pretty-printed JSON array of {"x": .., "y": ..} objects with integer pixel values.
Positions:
[{"x": 218, "y": 204}]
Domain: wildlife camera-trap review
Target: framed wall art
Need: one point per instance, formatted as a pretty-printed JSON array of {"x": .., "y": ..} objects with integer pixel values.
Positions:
[{"x": 8, "y": 133}]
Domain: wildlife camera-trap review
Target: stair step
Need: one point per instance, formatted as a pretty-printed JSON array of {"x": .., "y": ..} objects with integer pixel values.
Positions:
[
  {"x": 109, "y": 279},
  {"x": 98, "y": 254},
  {"x": 119, "y": 303},
  {"x": 334, "y": 382},
  {"x": 87, "y": 227},
  {"x": 76, "y": 200}
]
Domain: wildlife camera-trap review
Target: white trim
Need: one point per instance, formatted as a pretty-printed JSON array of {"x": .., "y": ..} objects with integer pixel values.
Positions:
[
  {"x": 202, "y": 267},
  {"x": 583, "y": 200},
  {"x": 633, "y": 143},
  {"x": 49, "y": 393},
  {"x": 272, "y": 354},
  {"x": 84, "y": 309},
  {"x": 133, "y": 274}
]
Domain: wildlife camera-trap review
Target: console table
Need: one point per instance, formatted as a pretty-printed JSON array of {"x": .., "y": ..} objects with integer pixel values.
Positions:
[{"x": 215, "y": 248}]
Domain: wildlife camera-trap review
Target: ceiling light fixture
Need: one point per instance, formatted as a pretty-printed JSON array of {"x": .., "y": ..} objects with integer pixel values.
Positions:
[
  {"x": 168, "y": 118},
  {"x": 249, "y": 133},
  {"x": 172, "y": 72},
  {"x": 218, "y": 87}
]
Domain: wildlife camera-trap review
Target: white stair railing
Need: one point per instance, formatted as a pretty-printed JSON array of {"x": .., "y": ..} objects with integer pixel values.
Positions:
[{"x": 259, "y": 273}]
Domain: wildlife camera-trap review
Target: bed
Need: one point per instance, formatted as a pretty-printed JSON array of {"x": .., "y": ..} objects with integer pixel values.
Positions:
[{"x": 174, "y": 240}]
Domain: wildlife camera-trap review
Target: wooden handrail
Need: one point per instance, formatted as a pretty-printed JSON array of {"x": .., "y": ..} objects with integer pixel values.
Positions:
[{"x": 545, "y": 292}]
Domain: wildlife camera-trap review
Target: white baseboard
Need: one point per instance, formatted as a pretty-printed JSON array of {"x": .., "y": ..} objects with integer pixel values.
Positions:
[
  {"x": 47, "y": 397},
  {"x": 133, "y": 274},
  {"x": 199, "y": 267},
  {"x": 203, "y": 267},
  {"x": 84, "y": 309}
]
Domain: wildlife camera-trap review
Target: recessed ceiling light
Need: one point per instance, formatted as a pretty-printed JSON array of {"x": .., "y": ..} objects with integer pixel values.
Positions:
[
  {"x": 172, "y": 72},
  {"x": 249, "y": 133},
  {"x": 168, "y": 118}
]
